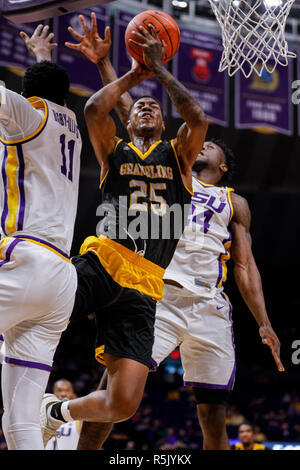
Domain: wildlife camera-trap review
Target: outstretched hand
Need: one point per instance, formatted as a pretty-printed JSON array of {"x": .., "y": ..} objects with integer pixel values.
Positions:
[
  {"x": 39, "y": 44},
  {"x": 270, "y": 338},
  {"x": 91, "y": 44},
  {"x": 153, "y": 48}
]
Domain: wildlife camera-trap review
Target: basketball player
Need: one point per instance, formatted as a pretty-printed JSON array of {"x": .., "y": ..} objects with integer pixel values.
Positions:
[
  {"x": 121, "y": 271},
  {"x": 217, "y": 219},
  {"x": 40, "y": 160},
  {"x": 66, "y": 437},
  {"x": 195, "y": 313},
  {"x": 246, "y": 436}
]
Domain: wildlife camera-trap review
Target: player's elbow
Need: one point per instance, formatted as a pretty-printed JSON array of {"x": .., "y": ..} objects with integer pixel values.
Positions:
[{"x": 90, "y": 108}]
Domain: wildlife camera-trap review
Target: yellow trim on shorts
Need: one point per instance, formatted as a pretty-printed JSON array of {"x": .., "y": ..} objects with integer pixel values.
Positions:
[
  {"x": 46, "y": 246},
  {"x": 99, "y": 354},
  {"x": 229, "y": 191},
  {"x": 176, "y": 156},
  {"x": 2, "y": 244},
  {"x": 37, "y": 103},
  {"x": 126, "y": 267},
  {"x": 12, "y": 167}
]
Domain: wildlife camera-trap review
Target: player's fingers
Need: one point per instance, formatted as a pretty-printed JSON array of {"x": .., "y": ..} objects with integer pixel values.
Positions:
[
  {"x": 75, "y": 34},
  {"x": 72, "y": 46},
  {"x": 276, "y": 357},
  {"x": 37, "y": 30},
  {"x": 139, "y": 35},
  {"x": 94, "y": 23},
  {"x": 24, "y": 36},
  {"x": 45, "y": 31},
  {"x": 53, "y": 46},
  {"x": 139, "y": 44},
  {"x": 144, "y": 32},
  {"x": 107, "y": 34},
  {"x": 152, "y": 30},
  {"x": 84, "y": 25},
  {"x": 50, "y": 37}
]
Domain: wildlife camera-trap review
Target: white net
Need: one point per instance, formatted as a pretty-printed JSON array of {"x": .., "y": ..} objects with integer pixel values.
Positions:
[{"x": 253, "y": 34}]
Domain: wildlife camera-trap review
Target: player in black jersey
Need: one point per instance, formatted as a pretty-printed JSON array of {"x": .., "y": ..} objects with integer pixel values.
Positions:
[{"x": 146, "y": 185}]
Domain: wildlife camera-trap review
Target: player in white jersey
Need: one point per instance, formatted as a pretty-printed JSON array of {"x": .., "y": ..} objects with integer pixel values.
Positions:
[
  {"x": 40, "y": 147},
  {"x": 66, "y": 437},
  {"x": 195, "y": 313}
]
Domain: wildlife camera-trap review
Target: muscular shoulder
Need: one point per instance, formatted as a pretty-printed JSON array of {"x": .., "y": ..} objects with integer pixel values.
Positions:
[{"x": 241, "y": 211}]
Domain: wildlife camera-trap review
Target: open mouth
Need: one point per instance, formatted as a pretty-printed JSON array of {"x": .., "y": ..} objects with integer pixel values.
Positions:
[{"x": 146, "y": 116}]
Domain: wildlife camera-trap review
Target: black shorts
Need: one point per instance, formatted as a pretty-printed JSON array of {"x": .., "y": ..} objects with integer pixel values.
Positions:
[{"x": 124, "y": 317}]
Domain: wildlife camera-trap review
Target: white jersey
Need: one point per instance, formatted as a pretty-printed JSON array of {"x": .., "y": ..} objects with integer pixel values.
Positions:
[
  {"x": 40, "y": 147},
  {"x": 66, "y": 437},
  {"x": 199, "y": 261}
]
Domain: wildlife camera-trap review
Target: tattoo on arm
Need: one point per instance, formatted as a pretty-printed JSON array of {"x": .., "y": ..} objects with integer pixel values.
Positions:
[{"x": 188, "y": 107}]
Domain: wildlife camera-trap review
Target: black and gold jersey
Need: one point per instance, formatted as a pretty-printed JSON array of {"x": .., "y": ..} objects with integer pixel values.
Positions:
[{"x": 144, "y": 207}]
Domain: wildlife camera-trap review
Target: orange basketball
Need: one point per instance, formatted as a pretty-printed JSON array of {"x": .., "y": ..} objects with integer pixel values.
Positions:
[{"x": 166, "y": 28}]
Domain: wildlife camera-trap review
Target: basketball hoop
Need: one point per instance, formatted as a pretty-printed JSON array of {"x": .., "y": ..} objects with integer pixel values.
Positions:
[{"x": 253, "y": 34}]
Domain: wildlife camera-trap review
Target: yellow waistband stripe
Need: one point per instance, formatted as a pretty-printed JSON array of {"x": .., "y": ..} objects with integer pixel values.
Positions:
[{"x": 126, "y": 267}]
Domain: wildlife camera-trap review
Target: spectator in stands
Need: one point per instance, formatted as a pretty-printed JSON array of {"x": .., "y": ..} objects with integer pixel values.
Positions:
[{"x": 246, "y": 436}]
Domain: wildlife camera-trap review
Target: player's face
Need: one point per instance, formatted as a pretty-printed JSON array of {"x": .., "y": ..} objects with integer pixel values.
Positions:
[
  {"x": 146, "y": 117},
  {"x": 63, "y": 389},
  {"x": 211, "y": 156},
  {"x": 246, "y": 434}
]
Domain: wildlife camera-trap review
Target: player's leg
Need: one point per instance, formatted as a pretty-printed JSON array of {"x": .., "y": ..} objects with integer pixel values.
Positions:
[
  {"x": 125, "y": 388},
  {"x": 208, "y": 359},
  {"x": 21, "y": 419},
  {"x": 93, "y": 435},
  {"x": 166, "y": 339},
  {"x": 211, "y": 410},
  {"x": 47, "y": 302}
]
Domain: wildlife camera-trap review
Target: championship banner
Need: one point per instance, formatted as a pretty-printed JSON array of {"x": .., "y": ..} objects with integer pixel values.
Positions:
[
  {"x": 83, "y": 73},
  {"x": 265, "y": 102},
  {"x": 13, "y": 52},
  {"x": 196, "y": 66},
  {"x": 122, "y": 60}
]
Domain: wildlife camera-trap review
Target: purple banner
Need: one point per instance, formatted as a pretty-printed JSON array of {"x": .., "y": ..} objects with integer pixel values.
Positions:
[
  {"x": 122, "y": 60},
  {"x": 83, "y": 73},
  {"x": 196, "y": 66},
  {"x": 265, "y": 102},
  {"x": 13, "y": 52}
]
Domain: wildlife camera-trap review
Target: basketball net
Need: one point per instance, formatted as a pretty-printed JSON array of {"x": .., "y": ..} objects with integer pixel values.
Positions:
[{"x": 252, "y": 34}]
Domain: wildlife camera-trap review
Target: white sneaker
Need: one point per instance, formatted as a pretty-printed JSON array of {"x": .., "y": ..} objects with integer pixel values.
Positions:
[{"x": 49, "y": 424}]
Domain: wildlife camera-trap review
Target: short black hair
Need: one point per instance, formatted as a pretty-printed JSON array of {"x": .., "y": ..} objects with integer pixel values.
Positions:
[
  {"x": 229, "y": 158},
  {"x": 46, "y": 80},
  {"x": 145, "y": 96},
  {"x": 246, "y": 423}
]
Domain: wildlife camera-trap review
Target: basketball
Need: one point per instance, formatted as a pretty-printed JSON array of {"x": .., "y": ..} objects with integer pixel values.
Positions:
[{"x": 166, "y": 28}]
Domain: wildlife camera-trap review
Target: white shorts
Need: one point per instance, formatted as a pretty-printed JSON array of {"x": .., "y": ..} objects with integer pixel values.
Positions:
[
  {"x": 37, "y": 294},
  {"x": 202, "y": 328}
]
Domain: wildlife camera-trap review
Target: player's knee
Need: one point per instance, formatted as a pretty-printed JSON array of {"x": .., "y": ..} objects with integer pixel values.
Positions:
[
  {"x": 124, "y": 408},
  {"x": 212, "y": 418}
]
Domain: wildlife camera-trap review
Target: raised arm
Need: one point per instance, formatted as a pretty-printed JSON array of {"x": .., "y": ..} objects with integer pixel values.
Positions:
[
  {"x": 96, "y": 50},
  {"x": 247, "y": 276},
  {"x": 39, "y": 44},
  {"x": 101, "y": 126},
  {"x": 191, "y": 135}
]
